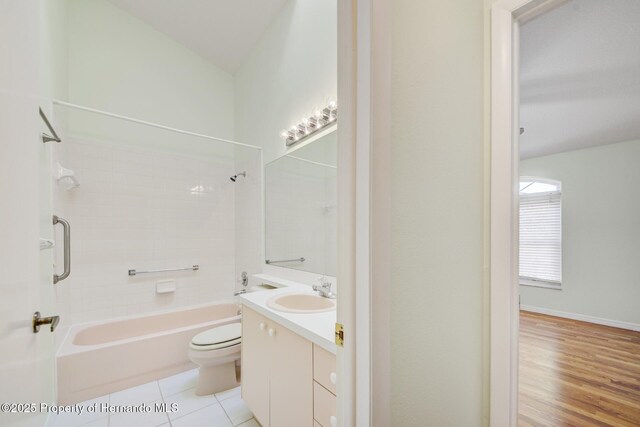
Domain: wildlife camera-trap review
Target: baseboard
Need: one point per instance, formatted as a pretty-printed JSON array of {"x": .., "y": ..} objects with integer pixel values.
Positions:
[{"x": 583, "y": 318}]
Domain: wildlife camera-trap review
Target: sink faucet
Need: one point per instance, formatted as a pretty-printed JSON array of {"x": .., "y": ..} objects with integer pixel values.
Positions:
[{"x": 324, "y": 288}]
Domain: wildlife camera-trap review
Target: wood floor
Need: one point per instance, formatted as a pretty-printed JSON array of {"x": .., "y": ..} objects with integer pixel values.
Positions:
[{"x": 577, "y": 374}]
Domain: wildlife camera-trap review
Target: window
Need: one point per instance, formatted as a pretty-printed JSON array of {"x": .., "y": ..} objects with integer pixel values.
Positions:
[{"x": 540, "y": 232}]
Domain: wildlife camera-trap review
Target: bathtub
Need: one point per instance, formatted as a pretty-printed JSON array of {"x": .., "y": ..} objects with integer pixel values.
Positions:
[{"x": 100, "y": 358}]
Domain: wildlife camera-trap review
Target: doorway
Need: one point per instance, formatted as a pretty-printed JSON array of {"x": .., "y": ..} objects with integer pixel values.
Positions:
[{"x": 563, "y": 112}]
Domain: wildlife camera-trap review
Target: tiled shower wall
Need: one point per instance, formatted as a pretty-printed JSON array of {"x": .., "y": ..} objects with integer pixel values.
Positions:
[
  {"x": 249, "y": 215},
  {"x": 144, "y": 208}
]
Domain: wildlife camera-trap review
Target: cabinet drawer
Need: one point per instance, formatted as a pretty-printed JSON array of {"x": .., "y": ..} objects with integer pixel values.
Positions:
[
  {"x": 324, "y": 368},
  {"x": 324, "y": 406}
]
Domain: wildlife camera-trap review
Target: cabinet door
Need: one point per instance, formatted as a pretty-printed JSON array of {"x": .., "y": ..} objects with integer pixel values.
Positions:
[
  {"x": 255, "y": 364},
  {"x": 291, "y": 379}
]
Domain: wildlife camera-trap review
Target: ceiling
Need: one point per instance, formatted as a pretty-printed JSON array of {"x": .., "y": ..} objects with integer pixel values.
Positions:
[
  {"x": 580, "y": 76},
  {"x": 222, "y": 31}
]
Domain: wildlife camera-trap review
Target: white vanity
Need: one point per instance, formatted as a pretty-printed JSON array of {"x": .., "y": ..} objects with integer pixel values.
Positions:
[{"x": 288, "y": 358}]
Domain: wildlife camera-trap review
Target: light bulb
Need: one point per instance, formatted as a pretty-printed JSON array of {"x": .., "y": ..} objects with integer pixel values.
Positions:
[{"x": 284, "y": 134}]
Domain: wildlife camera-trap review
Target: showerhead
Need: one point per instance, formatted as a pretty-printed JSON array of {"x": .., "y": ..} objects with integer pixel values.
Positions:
[{"x": 235, "y": 177}]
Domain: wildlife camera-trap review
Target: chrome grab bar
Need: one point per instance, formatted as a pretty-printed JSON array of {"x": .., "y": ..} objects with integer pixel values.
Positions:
[
  {"x": 135, "y": 272},
  {"x": 273, "y": 261},
  {"x": 45, "y": 137},
  {"x": 67, "y": 249}
]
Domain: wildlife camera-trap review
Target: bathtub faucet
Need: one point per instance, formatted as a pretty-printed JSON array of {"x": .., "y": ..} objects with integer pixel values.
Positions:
[{"x": 245, "y": 281}]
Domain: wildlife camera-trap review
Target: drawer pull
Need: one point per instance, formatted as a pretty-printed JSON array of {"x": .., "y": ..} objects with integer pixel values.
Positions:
[
  {"x": 333, "y": 378},
  {"x": 333, "y": 421},
  {"x": 262, "y": 325},
  {"x": 272, "y": 332}
]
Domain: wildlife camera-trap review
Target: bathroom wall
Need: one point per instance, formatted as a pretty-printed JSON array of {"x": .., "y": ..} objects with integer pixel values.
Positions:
[
  {"x": 289, "y": 73},
  {"x": 437, "y": 294},
  {"x": 120, "y": 64},
  {"x": 54, "y": 50},
  {"x": 600, "y": 225},
  {"x": 148, "y": 199}
]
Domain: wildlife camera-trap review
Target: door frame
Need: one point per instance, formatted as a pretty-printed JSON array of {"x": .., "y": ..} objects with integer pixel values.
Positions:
[
  {"x": 353, "y": 387},
  {"x": 506, "y": 15},
  {"x": 364, "y": 69},
  {"x": 345, "y": 357}
]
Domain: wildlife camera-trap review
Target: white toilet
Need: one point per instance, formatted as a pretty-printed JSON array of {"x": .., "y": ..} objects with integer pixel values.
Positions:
[{"x": 216, "y": 352}]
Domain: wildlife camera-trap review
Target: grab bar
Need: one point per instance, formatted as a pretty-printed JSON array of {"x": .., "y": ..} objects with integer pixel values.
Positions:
[
  {"x": 135, "y": 272},
  {"x": 67, "y": 249},
  {"x": 46, "y": 137},
  {"x": 273, "y": 261}
]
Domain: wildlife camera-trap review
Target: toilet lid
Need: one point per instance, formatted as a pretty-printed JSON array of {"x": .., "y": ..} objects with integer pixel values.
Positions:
[{"x": 219, "y": 335}]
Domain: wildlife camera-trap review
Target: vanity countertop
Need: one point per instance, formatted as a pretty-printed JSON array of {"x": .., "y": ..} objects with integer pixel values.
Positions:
[{"x": 316, "y": 327}]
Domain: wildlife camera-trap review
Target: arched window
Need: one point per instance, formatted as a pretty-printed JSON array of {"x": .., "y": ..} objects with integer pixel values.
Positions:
[{"x": 540, "y": 232}]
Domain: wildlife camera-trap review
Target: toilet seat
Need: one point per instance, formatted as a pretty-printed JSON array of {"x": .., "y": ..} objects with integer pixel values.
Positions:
[{"x": 217, "y": 338}]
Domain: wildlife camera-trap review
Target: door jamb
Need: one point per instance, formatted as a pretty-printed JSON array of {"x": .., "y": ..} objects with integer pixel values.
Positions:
[
  {"x": 364, "y": 72},
  {"x": 505, "y": 129}
]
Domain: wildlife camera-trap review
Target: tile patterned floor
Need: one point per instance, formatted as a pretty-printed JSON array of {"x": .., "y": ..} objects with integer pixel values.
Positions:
[{"x": 225, "y": 409}]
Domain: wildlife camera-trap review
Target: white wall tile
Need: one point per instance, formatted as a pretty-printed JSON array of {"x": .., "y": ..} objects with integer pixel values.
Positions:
[{"x": 145, "y": 208}]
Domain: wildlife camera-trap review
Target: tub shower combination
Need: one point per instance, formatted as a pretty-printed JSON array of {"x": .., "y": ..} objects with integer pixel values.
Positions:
[{"x": 104, "y": 357}]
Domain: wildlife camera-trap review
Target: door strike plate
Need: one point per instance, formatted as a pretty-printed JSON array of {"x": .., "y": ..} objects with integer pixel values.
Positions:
[{"x": 339, "y": 335}]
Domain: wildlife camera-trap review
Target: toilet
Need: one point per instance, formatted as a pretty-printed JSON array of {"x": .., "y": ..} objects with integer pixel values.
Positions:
[{"x": 216, "y": 351}]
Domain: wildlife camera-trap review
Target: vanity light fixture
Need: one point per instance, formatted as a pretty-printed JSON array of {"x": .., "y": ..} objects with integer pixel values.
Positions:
[{"x": 310, "y": 125}]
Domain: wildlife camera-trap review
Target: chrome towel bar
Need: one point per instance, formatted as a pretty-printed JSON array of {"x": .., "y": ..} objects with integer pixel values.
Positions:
[
  {"x": 273, "y": 261},
  {"x": 193, "y": 267}
]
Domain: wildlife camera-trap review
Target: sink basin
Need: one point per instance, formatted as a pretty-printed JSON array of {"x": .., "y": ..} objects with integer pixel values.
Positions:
[{"x": 301, "y": 303}]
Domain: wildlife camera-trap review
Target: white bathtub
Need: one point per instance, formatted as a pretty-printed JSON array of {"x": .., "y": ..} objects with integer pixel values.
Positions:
[{"x": 100, "y": 358}]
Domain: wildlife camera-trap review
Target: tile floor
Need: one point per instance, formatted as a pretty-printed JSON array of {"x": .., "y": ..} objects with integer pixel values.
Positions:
[{"x": 225, "y": 409}]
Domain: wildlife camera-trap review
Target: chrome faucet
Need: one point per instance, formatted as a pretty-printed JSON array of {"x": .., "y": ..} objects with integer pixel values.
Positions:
[
  {"x": 245, "y": 281},
  {"x": 38, "y": 321},
  {"x": 324, "y": 288}
]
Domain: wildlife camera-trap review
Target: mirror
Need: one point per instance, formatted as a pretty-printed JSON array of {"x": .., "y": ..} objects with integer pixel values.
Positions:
[{"x": 300, "y": 204}]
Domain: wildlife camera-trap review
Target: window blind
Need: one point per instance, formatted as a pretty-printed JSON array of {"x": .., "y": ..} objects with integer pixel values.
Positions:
[{"x": 541, "y": 238}]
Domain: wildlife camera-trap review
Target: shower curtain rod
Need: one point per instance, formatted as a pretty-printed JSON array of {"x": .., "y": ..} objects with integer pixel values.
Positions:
[
  {"x": 311, "y": 161},
  {"x": 151, "y": 124}
]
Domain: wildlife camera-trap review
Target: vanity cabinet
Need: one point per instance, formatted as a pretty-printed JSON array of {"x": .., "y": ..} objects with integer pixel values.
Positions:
[{"x": 277, "y": 372}]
